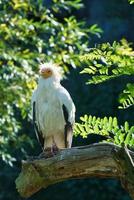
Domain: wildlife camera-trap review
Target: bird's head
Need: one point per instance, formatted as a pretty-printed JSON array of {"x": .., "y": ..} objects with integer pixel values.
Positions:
[{"x": 50, "y": 70}]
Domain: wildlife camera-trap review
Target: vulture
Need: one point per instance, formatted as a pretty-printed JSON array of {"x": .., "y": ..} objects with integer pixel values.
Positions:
[{"x": 53, "y": 110}]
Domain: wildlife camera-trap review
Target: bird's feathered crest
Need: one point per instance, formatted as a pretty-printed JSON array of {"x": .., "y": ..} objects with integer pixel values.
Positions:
[{"x": 57, "y": 70}]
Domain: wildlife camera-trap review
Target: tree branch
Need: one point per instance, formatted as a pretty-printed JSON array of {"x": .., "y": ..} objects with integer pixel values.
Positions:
[{"x": 96, "y": 160}]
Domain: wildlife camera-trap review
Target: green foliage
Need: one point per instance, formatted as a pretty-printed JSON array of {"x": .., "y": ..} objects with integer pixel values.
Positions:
[
  {"x": 106, "y": 61},
  {"x": 131, "y": 1},
  {"x": 31, "y": 32},
  {"x": 127, "y": 97},
  {"x": 108, "y": 127},
  {"x": 67, "y": 5},
  {"x": 109, "y": 61}
]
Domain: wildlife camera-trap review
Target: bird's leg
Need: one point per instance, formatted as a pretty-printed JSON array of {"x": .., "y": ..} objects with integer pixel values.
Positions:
[{"x": 54, "y": 149}]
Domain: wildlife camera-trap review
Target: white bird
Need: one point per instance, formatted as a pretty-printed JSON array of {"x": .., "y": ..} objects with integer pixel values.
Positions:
[{"x": 53, "y": 110}]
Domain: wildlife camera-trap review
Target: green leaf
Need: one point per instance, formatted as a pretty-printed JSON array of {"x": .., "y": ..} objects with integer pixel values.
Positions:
[{"x": 118, "y": 134}]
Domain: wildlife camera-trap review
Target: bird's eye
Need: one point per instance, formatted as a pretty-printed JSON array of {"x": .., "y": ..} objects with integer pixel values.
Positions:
[{"x": 48, "y": 71}]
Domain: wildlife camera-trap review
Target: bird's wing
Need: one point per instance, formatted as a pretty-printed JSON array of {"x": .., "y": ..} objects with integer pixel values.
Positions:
[
  {"x": 36, "y": 128},
  {"x": 68, "y": 131},
  {"x": 69, "y": 115}
]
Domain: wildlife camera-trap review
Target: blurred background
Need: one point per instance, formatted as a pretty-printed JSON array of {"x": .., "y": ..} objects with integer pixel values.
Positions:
[{"x": 27, "y": 34}]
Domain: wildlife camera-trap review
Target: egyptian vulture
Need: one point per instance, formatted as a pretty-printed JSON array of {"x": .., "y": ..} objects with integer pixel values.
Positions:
[{"x": 53, "y": 110}]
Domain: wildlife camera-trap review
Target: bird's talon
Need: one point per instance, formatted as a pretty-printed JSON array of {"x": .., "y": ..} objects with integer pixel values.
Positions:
[{"x": 54, "y": 150}]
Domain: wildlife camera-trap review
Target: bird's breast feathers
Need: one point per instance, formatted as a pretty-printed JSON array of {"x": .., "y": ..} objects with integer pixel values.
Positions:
[{"x": 49, "y": 112}]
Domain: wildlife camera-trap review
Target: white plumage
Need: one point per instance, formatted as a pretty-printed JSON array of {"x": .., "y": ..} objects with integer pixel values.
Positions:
[{"x": 54, "y": 109}]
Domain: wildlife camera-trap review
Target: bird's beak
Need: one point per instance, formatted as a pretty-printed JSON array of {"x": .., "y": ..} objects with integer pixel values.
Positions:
[{"x": 45, "y": 73}]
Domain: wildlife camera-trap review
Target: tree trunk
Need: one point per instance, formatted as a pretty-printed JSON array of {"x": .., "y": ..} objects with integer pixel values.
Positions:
[{"x": 96, "y": 160}]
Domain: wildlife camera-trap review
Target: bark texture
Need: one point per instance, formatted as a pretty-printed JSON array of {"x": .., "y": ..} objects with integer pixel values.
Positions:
[{"x": 97, "y": 160}]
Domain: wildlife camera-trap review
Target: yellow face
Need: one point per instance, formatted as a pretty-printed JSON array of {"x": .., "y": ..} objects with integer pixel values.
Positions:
[{"x": 46, "y": 73}]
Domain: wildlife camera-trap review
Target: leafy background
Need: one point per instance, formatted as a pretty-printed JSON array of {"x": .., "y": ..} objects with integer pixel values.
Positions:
[{"x": 34, "y": 31}]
